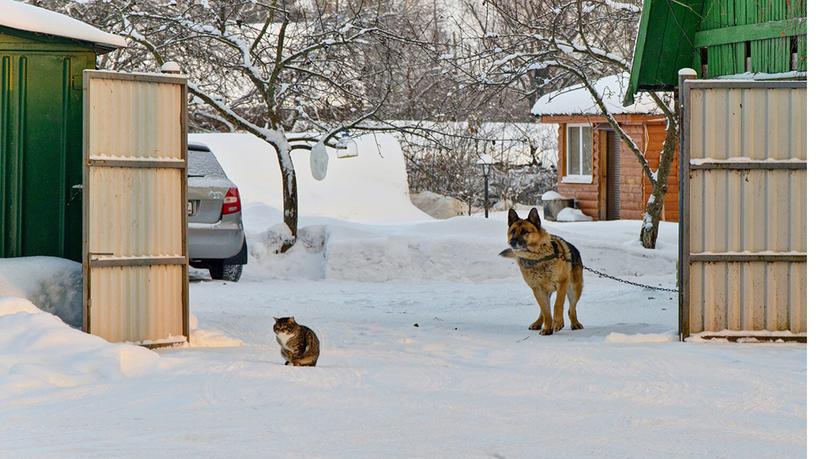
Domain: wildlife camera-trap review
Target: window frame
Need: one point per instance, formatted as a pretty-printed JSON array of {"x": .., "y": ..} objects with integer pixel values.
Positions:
[{"x": 584, "y": 176}]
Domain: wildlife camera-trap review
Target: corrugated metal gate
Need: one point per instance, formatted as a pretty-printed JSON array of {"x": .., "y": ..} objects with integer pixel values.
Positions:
[
  {"x": 743, "y": 207},
  {"x": 135, "y": 207}
]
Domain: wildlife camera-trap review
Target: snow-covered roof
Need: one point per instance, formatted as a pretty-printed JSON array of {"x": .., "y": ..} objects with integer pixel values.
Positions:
[
  {"x": 577, "y": 100},
  {"x": 21, "y": 16}
]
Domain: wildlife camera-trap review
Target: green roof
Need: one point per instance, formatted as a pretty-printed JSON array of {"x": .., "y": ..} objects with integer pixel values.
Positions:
[
  {"x": 716, "y": 38},
  {"x": 665, "y": 44}
]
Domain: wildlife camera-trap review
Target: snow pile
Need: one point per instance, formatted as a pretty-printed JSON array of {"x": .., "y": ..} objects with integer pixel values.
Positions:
[
  {"x": 437, "y": 205},
  {"x": 38, "y": 351},
  {"x": 577, "y": 100},
  {"x": 640, "y": 338},
  {"x": 569, "y": 214},
  {"x": 466, "y": 249},
  {"x": 372, "y": 187},
  {"x": 52, "y": 284},
  {"x": 551, "y": 196},
  {"x": 209, "y": 338},
  {"x": 20, "y": 16}
]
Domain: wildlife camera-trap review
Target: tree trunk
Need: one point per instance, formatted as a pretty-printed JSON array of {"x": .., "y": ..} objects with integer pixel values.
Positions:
[
  {"x": 654, "y": 208},
  {"x": 290, "y": 195}
]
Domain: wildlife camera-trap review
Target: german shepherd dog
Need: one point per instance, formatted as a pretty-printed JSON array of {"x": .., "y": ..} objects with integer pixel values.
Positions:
[{"x": 548, "y": 264}]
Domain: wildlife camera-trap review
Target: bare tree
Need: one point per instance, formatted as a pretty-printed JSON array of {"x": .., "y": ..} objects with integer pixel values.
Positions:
[{"x": 532, "y": 44}]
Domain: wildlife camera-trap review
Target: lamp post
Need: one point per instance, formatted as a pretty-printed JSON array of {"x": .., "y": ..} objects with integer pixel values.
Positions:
[{"x": 485, "y": 162}]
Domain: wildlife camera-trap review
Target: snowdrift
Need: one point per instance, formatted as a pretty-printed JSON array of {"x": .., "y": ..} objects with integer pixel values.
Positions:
[
  {"x": 52, "y": 284},
  {"x": 457, "y": 249},
  {"x": 371, "y": 188},
  {"x": 39, "y": 351}
]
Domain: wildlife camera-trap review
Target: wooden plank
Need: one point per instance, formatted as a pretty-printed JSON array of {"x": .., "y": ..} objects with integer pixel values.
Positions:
[
  {"x": 742, "y": 33},
  {"x": 748, "y": 165},
  {"x": 747, "y": 257},
  {"x": 754, "y": 216},
  {"x": 747, "y": 337},
  {"x": 139, "y": 163},
  {"x": 108, "y": 262}
]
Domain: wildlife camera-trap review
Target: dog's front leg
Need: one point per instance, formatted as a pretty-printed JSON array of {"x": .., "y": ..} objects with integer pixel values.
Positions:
[
  {"x": 558, "y": 308},
  {"x": 543, "y": 298}
]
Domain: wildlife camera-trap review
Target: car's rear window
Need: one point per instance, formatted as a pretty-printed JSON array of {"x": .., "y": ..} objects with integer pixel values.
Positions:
[{"x": 203, "y": 164}]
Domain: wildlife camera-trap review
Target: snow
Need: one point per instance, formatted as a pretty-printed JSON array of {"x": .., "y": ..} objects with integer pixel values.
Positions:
[
  {"x": 551, "y": 196},
  {"x": 41, "y": 355},
  {"x": 354, "y": 188},
  {"x": 438, "y": 206},
  {"x": 425, "y": 351},
  {"x": 52, "y": 284},
  {"x": 21, "y": 16},
  {"x": 568, "y": 214},
  {"x": 577, "y": 100}
]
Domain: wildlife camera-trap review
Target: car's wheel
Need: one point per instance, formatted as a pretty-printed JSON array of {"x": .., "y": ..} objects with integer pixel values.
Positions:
[{"x": 220, "y": 271}]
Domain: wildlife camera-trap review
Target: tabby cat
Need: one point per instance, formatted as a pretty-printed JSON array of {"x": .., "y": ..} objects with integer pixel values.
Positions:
[{"x": 299, "y": 344}]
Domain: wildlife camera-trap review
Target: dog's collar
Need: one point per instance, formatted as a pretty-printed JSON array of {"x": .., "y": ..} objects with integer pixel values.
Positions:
[{"x": 532, "y": 262}]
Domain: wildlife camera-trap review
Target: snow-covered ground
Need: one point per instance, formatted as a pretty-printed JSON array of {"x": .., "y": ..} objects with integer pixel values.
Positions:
[{"x": 425, "y": 352}]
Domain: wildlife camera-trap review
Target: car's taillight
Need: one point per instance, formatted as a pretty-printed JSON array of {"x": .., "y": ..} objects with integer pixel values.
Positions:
[{"x": 232, "y": 202}]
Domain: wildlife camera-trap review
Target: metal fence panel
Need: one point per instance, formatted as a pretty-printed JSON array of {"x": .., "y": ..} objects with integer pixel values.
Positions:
[
  {"x": 743, "y": 256},
  {"x": 135, "y": 220}
]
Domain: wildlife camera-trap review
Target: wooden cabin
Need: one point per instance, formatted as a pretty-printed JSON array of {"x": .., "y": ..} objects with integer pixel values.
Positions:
[
  {"x": 594, "y": 166},
  {"x": 742, "y": 264}
]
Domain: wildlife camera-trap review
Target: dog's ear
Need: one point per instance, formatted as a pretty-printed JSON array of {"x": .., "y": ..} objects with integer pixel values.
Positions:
[
  {"x": 534, "y": 218},
  {"x": 512, "y": 217}
]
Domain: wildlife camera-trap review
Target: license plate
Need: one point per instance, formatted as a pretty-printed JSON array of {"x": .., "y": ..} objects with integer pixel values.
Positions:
[{"x": 189, "y": 208}]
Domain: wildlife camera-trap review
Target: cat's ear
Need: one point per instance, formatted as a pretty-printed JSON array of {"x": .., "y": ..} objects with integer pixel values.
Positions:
[{"x": 275, "y": 318}]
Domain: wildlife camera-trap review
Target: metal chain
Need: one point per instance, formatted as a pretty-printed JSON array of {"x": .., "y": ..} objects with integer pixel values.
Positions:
[{"x": 630, "y": 282}]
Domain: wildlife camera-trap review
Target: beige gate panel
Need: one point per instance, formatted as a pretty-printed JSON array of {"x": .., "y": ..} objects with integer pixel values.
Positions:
[
  {"x": 743, "y": 239},
  {"x": 135, "y": 207},
  {"x": 139, "y": 302},
  {"x": 139, "y": 204},
  {"x": 134, "y": 118}
]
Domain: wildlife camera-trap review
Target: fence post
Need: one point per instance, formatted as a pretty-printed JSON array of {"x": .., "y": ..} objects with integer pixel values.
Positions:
[{"x": 681, "y": 99}]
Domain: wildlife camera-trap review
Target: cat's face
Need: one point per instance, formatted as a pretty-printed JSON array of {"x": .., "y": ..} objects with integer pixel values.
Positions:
[{"x": 285, "y": 325}]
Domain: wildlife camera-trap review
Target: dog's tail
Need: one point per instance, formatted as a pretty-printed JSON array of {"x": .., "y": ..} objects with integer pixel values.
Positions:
[{"x": 507, "y": 253}]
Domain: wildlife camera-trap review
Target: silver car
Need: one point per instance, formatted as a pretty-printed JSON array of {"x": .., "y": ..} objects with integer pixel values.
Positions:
[{"x": 215, "y": 232}]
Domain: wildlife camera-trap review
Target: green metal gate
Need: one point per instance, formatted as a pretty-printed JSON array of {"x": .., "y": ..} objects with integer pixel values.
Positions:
[{"x": 41, "y": 144}]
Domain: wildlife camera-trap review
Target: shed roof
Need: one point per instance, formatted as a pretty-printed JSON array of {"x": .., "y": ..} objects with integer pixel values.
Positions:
[
  {"x": 577, "y": 100},
  {"x": 673, "y": 34},
  {"x": 665, "y": 44},
  {"x": 29, "y": 18}
]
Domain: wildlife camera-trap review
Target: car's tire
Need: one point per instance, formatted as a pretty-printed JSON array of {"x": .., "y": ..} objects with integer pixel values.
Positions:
[{"x": 221, "y": 271}]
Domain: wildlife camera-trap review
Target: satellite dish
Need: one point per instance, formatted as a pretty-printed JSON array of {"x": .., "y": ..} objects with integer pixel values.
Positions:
[{"x": 319, "y": 161}]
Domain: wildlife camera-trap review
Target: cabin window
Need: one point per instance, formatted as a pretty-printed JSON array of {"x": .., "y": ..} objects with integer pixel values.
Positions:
[{"x": 579, "y": 154}]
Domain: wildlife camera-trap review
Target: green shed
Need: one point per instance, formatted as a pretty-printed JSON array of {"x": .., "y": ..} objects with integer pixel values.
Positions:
[
  {"x": 718, "y": 38},
  {"x": 42, "y": 56}
]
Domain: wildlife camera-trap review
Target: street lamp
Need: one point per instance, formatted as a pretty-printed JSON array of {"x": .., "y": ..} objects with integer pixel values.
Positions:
[{"x": 485, "y": 162}]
